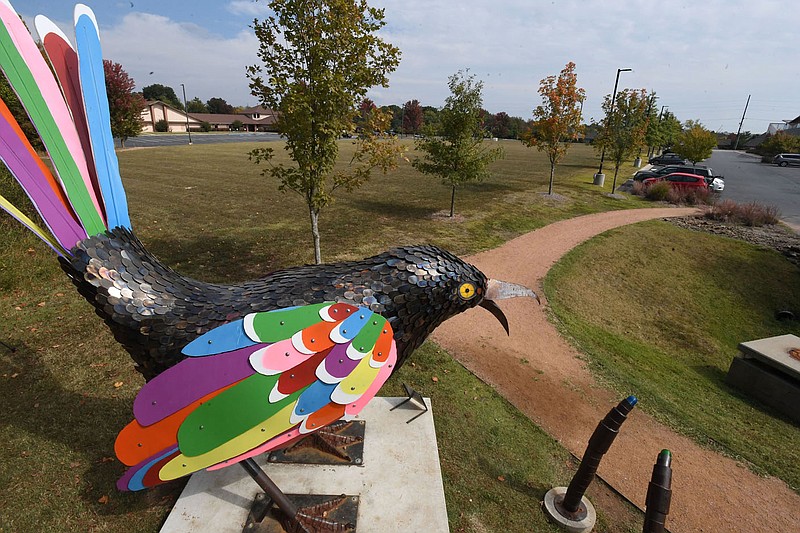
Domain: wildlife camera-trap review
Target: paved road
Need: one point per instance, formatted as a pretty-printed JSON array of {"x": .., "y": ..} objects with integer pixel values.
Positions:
[
  {"x": 749, "y": 180},
  {"x": 175, "y": 139}
]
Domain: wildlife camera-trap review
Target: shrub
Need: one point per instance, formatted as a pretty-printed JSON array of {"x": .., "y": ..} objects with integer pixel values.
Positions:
[
  {"x": 237, "y": 125},
  {"x": 161, "y": 126},
  {"x": 690, "y": 196},
  {"x": 658, "y": 192},
  {"x": 779, "y": 143},
  {"x": 750, "y": 214},
  {"x": 205, "y": 126}
]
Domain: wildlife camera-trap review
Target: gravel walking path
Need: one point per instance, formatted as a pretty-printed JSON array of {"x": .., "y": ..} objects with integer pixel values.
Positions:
[{"x": 711, "y": 493}]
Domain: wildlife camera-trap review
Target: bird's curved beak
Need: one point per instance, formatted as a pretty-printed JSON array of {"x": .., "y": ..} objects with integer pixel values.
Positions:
[{"x": 502, "y": 290}]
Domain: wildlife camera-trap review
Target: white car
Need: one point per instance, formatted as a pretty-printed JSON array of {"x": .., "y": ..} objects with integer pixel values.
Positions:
[{"x": 716, "y": 185}]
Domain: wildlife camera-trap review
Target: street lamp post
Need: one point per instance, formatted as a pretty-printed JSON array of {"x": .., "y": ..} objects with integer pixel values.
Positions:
[
  {"x": 186, "y": 113},
  {"x": 610, "y": 112}
]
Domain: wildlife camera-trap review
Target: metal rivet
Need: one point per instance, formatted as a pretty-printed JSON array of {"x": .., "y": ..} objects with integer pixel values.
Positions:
[
  {"x": 341, "y": 361},
  {"x": 302, "y": 410},
  {"x": 385, "y": 331},
  {"x": 291, "y": 376},
  {"x": 282, "y": 322},
  {"x": 184, "y": 465},
  {"x": 344, "y": 331},
  {"x": 286, "y": 354},
  {"x": 263, "y": 430},
  {"x": 380, "y": 354},
  {"x": 154, "y": 402},
  {"x": 358, "y": 460},
  {"x": 361, "y": 349},
  {"x": 312, "y": 340},
  {"x": 361, "y": 317},
  {"x": 209, "y": 342},
  {"x": 201, "y": 427},
  {"x": 313, "y": 425},
  {"x": 139, "y": 445},
  {"x": 374, "y": 322},
  {"x": 352, "y": 388}
]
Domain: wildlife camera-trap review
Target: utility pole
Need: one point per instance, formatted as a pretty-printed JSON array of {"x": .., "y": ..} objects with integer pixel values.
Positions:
[
  {"x": 186, "y": 112},
  {"x": 735, "y": 146}
]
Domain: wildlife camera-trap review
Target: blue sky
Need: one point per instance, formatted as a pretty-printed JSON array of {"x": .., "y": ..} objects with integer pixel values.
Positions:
[{"x": 702, "y": 58}]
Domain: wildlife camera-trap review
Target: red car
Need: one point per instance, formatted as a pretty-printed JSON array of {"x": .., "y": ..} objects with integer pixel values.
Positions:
[{"x": 680, "y": 180}]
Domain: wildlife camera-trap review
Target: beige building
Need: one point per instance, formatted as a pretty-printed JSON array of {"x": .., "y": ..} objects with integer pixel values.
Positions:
[{"x": 252, "y": 119}]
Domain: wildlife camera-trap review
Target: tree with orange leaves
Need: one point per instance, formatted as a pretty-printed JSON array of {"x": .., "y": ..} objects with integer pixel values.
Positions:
[{"x": 558, "y": 119}]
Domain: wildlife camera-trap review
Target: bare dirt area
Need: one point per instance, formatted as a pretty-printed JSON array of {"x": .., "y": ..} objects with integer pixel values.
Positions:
[{"x": 545, "y": 377}]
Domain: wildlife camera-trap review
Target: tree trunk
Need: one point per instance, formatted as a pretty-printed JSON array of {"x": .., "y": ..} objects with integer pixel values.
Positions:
[
  {"x": 453, "y": 202},
  {"x": 315, "y": 234},
  {"x": 122, "y": 142},
  {"x": 614, "y": 185},
  {"x": 552, "y": 173}
]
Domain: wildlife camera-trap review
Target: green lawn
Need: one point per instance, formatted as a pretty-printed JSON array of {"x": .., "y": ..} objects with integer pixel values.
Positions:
[{"x": 661, "y": 316}]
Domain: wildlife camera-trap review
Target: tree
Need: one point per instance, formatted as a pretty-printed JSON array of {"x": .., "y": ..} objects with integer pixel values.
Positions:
[
  {"x": 412, "y": 117},
  {"x": 695, "y": 142},
  {"x": 457, "y": 154},
  {"x": 219, "y": 106},
  {"x": 124, "y": 105},
  {"x": 195, "y": 105},
  {"x": 558, "y": 117},
  {"x": 319, "y": 59},
  {"x": 779, "y": 143},
  {"x": 623, "y": 131},
  {"x": 670, "y": 129},
  {"x": 162, "y": 93}
]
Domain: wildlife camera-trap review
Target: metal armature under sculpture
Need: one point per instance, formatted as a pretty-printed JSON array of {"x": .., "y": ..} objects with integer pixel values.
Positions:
[{"x": 232, "y": 370}]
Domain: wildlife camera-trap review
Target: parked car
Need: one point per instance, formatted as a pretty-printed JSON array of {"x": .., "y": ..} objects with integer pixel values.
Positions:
[
  {"x": 700, "y": 170},
  {"x": 784, "y": 160},
  {"x": 667, "y": 158},
  {"x": 716, "y": 184},
  {"x": 680, "y": 180}
]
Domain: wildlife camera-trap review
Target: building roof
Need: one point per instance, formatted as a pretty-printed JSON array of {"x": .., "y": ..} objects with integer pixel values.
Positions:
[{"x": 229, "y": 118}]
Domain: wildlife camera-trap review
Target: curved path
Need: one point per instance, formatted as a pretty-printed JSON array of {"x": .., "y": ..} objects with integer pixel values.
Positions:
[{"x": 711, "y": 493}]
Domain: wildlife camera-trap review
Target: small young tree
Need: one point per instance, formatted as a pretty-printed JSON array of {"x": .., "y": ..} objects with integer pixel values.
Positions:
[
  {"x": 457, "y": 154},
  {"x": 623, "y": 130},
  {"x": 124, "y": 105},
  {"x": 558, "y": 117},
  {"x": 695, "y": 142},
  {"x": 670, "y": 129},
  {"x": 319, "y": 59}
]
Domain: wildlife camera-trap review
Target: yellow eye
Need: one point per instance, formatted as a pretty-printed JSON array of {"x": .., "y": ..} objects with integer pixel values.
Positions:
[{"x": 466, "y": 291}]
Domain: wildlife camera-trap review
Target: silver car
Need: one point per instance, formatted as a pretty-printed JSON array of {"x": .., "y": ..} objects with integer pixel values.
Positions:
[{"x": 784, "y": 160}]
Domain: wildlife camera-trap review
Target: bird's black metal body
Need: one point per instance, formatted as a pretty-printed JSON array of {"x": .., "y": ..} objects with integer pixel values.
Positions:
[{"x": 154, "y": 312}]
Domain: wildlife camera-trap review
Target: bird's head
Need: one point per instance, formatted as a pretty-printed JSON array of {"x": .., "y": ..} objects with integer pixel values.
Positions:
[{"x": 422, "y": 286}]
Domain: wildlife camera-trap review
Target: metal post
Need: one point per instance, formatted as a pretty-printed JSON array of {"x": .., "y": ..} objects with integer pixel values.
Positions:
[
  {"x": 186, "y": 113},
  {"x": 599, "y": 443},
  {"x": 270, "y": 488},
  {"x": 659, "y": 495},
  {"x": 611, "y": 113},
  {"x": 739, "y": 131}
]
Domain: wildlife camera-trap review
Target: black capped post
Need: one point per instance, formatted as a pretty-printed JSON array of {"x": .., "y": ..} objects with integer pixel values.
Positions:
[{"x": 659, "y": 494}]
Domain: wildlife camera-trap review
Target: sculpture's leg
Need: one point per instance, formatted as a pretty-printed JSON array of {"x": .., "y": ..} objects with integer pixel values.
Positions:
[{"x": 272, "y": 490}]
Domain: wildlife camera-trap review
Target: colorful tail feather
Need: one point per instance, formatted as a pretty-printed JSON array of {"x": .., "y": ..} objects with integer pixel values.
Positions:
[{"x": 74, "y": 126}]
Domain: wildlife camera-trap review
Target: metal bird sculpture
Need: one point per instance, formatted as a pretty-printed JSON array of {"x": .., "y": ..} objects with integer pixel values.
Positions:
[{"x": 232, "y": 370}]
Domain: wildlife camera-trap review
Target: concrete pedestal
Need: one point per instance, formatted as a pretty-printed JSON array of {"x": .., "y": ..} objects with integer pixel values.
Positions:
[
  {"x": 399, "y": 485},
  {"x": 765, "y": 370}
]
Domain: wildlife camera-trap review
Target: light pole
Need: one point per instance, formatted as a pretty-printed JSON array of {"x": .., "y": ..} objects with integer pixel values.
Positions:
[
  {"x": 186, "y": 113},
  {"x": 610, "y": 113}
]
